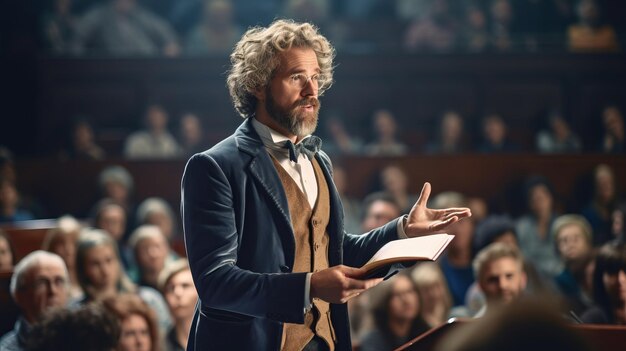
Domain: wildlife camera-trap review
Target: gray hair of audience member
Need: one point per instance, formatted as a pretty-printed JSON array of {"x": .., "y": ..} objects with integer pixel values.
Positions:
[
  {"x": 34, "y": 259},
  {"x": 449, "y": 199},
  {"x": 170, "y": 270},
  {"x": 529, "y": 324},
  {"x": 153, "y": 205},
  {"x": 116, "y": 174},
  {"x": 572, "y": 219},
  {"x": 144, "y": 232},
  {"x": 494, "y": 252},
  {"x": 90, "y": 239},
  {"x": 256, "y": 57}
]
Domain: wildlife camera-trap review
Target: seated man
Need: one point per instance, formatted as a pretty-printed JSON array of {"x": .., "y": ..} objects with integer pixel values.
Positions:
[
  {"x": 40, "y": 282},
  {"x": 499, "y": 269}
]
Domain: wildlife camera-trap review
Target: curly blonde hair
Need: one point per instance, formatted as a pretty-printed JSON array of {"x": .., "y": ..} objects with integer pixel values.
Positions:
[{"x": 255, "y": 59}]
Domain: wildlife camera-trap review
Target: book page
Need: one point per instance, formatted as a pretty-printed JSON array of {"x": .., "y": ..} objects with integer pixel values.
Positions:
[{"x": 427, "y": 247}]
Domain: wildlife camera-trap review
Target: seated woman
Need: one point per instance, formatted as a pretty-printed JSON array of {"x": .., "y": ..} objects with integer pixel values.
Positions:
[
  {"x": 139, "y": 329},
  {"x": 151, "y": 252},
  {"x": 434, "y": 293},
  {"x": 62, "y": 241},
  {"x": 397, "y": 316},
  {"x": 100, "y": 274},
  {"x": 609, "y": 286}
]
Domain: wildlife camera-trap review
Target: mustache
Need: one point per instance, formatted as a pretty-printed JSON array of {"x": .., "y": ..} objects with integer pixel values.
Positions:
[{"x": 308, "y": 101}]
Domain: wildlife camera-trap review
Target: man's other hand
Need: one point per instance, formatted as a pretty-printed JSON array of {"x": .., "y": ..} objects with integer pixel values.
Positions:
[{"x": 339, "y": 284}]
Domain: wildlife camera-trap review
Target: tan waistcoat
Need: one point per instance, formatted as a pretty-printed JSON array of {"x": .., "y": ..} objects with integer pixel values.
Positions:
[{"x": 309, "y": 227}]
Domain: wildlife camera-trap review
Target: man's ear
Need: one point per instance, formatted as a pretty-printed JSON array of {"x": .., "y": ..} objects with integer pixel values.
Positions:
[{"x": 259, "y": 93}]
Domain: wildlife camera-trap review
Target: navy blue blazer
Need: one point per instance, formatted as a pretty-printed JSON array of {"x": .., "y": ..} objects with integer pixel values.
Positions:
[{"x": 240, "y": 246}]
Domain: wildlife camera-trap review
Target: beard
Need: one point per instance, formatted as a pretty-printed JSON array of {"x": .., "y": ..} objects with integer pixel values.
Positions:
[{"x": 294, "y": 119}]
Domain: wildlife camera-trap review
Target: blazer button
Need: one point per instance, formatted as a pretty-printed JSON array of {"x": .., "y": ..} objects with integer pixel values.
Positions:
[{"x": 285, "y": 269}]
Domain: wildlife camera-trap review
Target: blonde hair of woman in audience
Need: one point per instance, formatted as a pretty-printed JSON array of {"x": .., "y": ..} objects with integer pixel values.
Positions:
[
  {"x": 176, "y": 284},
  {"x": 100, "y": 274},
  {"x": 62, "y": 241},
  {"x": 433, "y": 290},
  {"x": 6, "y": 253},
  {"x": 138, "y": 323}
]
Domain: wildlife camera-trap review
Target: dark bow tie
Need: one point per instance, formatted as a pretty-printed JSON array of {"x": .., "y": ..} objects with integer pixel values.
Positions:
[{"x": 309, "y": 146}]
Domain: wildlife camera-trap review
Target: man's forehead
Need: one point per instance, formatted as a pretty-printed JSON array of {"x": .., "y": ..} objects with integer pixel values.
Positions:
[
  {"x": 49, "y": 268},
  {"x": 298, "y": 59}
]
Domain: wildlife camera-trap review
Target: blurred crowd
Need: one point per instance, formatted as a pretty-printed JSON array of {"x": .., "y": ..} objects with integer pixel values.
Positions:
[
  {"x": 93, "y": 28},
  {"x": 117, "y": 266}
]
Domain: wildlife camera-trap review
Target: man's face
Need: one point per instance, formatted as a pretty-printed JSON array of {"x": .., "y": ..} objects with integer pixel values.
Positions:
[
  {"x": 151, "y": 254},
  {"x": 379, "y": 213},
  {"x": 46, "y": 287},
  {"x": 135, "y": 335},
  {"x": 502, "y": 280},
  {"x": 571, "y": 242},
  {"x": 113, "y": 221},
  {"x": 291, "y": 97},
  {"x": 181, "y": 295}
]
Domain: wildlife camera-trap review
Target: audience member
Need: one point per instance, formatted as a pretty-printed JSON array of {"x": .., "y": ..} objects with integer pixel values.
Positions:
[
  {"x": 82, "y": 143},
  {"x": 450, "y": 137},
  {"x": 394, "y": 181},
  {"x": 590, "y": 33},
  {"x": 533, "y": 228},
  {"x": 351, "y": 206},
  {"x": 435, "y": 31},
  {"x": 573, "y": 237},
  {"x": 109, "y": 216},
  {"x": 558, "y": 137},
  {"x": 396, "y": 311},
  {"x": 7, "y": 165},
  {"x": 59, "y": 27},
  {"x": 378, "y": 209},
  {"x": 157, "y": 211},
  {"x": 117, "y": 183},
  {"x": 176, "y": 284},
  {"x": 192, "y": 137},
  {"x": 155, "y": 142},
  {"x": 10, "y": 209},
  {"x": 100, "y": 275},
  {"x": 151, "y": 252},
  {"x": 495, "y": 133},
  {"x": 479, "y": 208},
  {"x": 88, "y": 328},
  {"x": 39, "y": 284},
  {"x": 139, "y": 329},
  {"x": 434, "y": 293},
  {"x": 7, "y": 255},
  {"x": 62, "y": 241},
  {"x": 499, "y": 270},
  {"x": 494, "y": 228},
  {"x": 456, "y": 262},
  {"x": 501, "y": 33},
  {"x": 338, "y": 141},
  {"x": 217, "y": 32},
  {"x": 605, "y": 200},
  {"x": 609, "y": 286},
  {"x": 475, "y": 33},
  {"x": 614, "y": 140},
  {"x": 123, "y": 28},
  {"x": 385, "y": 142}
]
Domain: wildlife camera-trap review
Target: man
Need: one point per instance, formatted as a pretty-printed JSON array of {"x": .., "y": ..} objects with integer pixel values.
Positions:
[
  {"x": 500, "y": 271},
  {"x": 379, "y": 209},
  {"x": 39, "y": 283},
  {"x": 262, "y": 219}
]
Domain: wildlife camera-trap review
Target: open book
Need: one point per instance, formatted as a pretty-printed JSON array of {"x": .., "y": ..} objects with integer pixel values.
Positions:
[{"x": 406, "y": 251}]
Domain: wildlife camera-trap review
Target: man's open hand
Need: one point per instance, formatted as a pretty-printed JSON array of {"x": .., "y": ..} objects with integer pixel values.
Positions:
[
  {"x": 339, "y": 284},
  {"x": 424, "y": 221}
]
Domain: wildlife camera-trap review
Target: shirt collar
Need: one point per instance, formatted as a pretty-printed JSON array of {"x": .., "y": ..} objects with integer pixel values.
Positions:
[{"x": 272, "y": 139}]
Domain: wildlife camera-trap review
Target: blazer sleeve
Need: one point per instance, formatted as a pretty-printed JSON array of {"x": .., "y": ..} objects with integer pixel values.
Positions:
[{"x": 212, "y": 239}]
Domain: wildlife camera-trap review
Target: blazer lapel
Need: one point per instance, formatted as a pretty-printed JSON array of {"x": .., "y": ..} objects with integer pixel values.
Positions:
[
  {"x": 262, "y": 170},
  {"x": 335, "y": 230}
]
